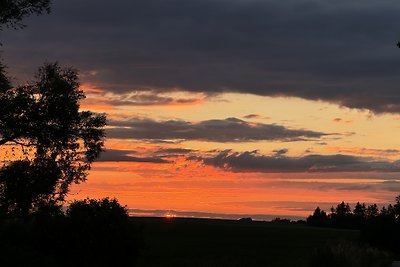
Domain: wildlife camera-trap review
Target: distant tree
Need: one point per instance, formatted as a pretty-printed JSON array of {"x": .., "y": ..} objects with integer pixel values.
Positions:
[
  {"x": 372, "y": 211},
  {"x": 391, "y": 211},
  {"x": 387, "y": 212},
  {"x": 359, "y": 215},
  {"x": 43, "y": 120},
  {"x": 341, "y": 216},
  {"x": 396, "y": 208},
  {"x": 318, "y": 218},
  {"x": 359, "y": 210},
  {"x": 246, "y": 219},
  {"x": 281, "y": 220},
  {"x": 343, "y": 209},
  {"x": 12, "y": 12}
]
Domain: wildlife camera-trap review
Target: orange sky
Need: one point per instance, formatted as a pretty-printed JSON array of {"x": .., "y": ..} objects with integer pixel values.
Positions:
[
  {"x": 265, "y": 107},
  {"x": 151, "y": 176},
  {"x": 184, "y": 184}
]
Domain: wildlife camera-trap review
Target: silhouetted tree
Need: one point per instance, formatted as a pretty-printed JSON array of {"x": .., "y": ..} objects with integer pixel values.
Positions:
[
  {"x": 342, "y": 209},
  {"x": 12, "y": 12},
  {"x": 341, "y": 216},
  {"x": 43, "y": 120},
  {"x": 372, "y": 211},
  {"x": 318, "y": 218},
  {"x": 359, "y": 210},
  {"x": 359, "y": 214}
]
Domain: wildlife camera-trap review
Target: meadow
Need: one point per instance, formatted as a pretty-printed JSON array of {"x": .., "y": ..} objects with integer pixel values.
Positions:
[{"x": 211, "y": 242}]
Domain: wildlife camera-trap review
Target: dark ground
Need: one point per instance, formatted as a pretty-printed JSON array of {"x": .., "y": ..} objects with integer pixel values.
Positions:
[{"x": 209, "y": 242}]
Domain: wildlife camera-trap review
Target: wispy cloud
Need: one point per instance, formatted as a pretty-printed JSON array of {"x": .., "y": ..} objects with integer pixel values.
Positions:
[
  {"x": 140, "y": 98},
  {"x": 127, "y": 156},
  {"x": 364, "y": 151},
  {"x": 255, "y": 116},
  {"x": 340, "y": 120},
  {"x": 226, "y": 130}
]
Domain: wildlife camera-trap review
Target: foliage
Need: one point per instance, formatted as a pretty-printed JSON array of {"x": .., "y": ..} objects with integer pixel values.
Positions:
[
  {"x": 318, "y": 218},
  {"x": 343, "y": 217},
  {"x": 12, "y": 12},
  {"x": 213, "y": 242},
  {"x": 346, "y": 254},
  {"x": 43, "y": 119},
  {"x": 380, "y": 228},
  {"x": 92, "y": 211},
  {"x": 107, "y": 238},
  {"x": 4, "y": 80},
  {"x": 25, "y": 185},
  {"x": 102, "y": 232}
]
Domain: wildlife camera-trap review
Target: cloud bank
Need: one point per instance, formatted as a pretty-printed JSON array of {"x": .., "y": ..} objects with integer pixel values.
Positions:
[
  {"x": 341, "y": 52},
  {"x": 254, "y": 162}
]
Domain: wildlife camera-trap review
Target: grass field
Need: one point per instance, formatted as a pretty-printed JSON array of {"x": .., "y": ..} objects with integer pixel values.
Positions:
[{"x": 207, "y": 242}]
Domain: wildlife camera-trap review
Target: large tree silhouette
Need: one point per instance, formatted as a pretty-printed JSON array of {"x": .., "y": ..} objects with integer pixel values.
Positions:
[{"x": 43, "y": 121}]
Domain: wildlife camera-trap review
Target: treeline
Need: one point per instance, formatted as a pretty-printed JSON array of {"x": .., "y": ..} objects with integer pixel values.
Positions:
[{"x": 379, "y": 226}]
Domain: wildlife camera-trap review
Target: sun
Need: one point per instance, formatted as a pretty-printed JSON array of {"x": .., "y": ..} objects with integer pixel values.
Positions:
[{"x": 170, "y": 215}]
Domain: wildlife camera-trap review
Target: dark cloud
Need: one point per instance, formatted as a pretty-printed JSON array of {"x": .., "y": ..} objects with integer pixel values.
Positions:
[
  {"x": 148, "y": 98},
  {"x": 391, "y": 186},
  {"x": 227, "y": 130},
  {"x": 321, "y": 143},
  {"x": 340, "y": 120},
  {"x": 342, "y": 51},
  {"x": 280, "y": 152},
  {"x": 254, "y": 162},
  {"x": 175, "y": 151},
  {"x": 125, "y": 156},
  {"x": 255, "y": 116},
  {"x": 366, "y": 151}
]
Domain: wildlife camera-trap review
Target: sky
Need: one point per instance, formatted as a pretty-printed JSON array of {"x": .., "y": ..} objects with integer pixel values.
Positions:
[{"x": 222, "y": 108}]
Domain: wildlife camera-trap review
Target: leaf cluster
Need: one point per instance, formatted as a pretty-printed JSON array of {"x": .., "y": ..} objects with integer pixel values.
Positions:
[{"x": 12, "y": 12}]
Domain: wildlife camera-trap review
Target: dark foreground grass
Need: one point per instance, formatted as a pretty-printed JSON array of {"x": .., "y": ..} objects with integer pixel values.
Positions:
[{"x": 206, "y": 242}]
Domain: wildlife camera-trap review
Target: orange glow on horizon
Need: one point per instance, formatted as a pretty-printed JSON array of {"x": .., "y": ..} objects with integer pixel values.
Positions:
[{"x": 188, "y": 186}]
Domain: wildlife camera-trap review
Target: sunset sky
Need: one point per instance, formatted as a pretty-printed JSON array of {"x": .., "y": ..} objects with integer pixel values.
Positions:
[{"x": 222, "y": 108}]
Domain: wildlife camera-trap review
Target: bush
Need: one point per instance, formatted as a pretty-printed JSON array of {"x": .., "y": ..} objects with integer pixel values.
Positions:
[
  {"x": 91, "y": 233},
  {"x": 346, "y": 254},
  {"x": 102, "y": 233},
  {"x": 383, "y": 233}
]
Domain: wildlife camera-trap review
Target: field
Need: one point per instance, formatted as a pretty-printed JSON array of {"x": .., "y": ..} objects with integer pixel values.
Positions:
[{"x": 207, "y": 242}]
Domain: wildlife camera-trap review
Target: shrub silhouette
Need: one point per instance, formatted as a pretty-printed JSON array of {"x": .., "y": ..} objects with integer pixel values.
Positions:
[
  {"x": 91, "y": 233},
  {"x": 103, "y": 234},
  {"x": 346, "y": 254}
]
